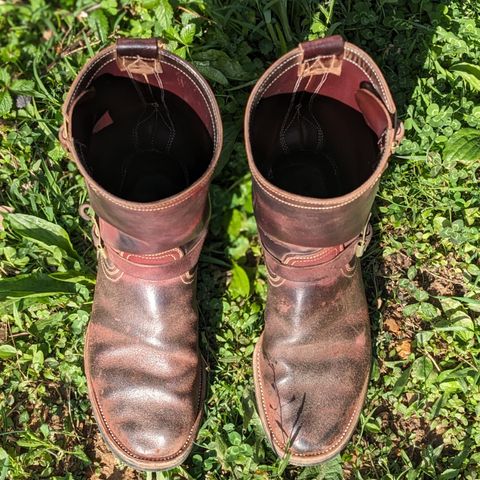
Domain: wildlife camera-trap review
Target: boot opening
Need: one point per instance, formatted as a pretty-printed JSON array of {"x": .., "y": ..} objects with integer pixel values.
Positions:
[
  {"x": 140, "y": 142},
  {"x": 312, "y": 145}
]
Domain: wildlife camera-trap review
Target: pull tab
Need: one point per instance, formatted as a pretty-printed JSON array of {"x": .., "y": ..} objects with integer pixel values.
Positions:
[
  {"x": 139, "y": 55},
  {"x": 321, "y": 56}
]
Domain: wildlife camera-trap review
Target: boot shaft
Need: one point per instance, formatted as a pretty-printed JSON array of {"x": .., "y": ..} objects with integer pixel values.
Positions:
[
  {"x": 144, "y": 129},
  {"x": 320, "y": 125}
]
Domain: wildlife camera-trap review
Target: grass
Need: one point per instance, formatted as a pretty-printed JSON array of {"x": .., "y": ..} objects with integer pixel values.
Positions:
[{"x": 422, "y": 271}]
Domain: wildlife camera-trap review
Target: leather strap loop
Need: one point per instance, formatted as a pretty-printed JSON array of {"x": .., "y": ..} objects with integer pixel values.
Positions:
[
  {"x": 317, "y": 273},
  {"x": 158, "y": 267},
  {"x": 139, "y": 55},
  {"x": 137, "y": 47},
  {"x": 321, "y": 56}
]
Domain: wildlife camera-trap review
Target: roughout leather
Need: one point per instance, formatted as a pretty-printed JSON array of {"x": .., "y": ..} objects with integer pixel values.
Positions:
[
  {"x": 312, "y": 361},
  {"x": 145, "y": 373}
]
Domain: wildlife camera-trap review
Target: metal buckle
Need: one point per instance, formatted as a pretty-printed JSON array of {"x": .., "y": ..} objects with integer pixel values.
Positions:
[
  {"x": 97, "y": 239},
  {"x": 362, "y": 243}
]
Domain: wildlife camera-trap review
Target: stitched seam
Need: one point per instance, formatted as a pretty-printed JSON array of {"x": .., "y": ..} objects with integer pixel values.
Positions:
[
  {"x": 114, "y": 270},
  {"x": 213, "y": 118},
  {"x": 279, "y": 445},
  {"x": 349, "y": 272},
  {"x": 333, "y": 207},
  {"x": 158, "y": 256},
  {"x": 188, "y": 278},
  {"x": 134, "y": 57},
  {"x": 149, "y": 209},
  {"x": 297, "y": 259},
  {"x": 267, "y": 86},
  {"x": 380, "y": 83},
  {"x": 85, "y": 73},
  {"x": 140, "y": 457},
  {"x": 212, "y": 115},
  {"x": 275, "y": 280}
]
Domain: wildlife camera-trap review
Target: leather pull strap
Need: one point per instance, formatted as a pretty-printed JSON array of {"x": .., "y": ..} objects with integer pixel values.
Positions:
[
  {"x": 139, "y": 55},
  {"x": 321, "y": 56}
]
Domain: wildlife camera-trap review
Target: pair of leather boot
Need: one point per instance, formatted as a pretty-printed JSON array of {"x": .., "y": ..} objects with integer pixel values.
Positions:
[{"x": 145, "y": 131}]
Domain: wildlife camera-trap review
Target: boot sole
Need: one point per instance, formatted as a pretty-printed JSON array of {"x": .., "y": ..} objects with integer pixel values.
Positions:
[{"x": 295, "y": 459}]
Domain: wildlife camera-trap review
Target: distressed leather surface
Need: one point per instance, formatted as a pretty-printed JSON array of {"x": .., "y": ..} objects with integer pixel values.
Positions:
[
  {"x": 312, "y": 363},
  {"x": 144, "y": 368},
  {"x": 145, "y": 373}
]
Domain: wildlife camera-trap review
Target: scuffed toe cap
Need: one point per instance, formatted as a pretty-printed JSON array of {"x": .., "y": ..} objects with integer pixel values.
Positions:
[
  {"x": 307, "y": 415},
  {"x": 148, "y": 434},
  {"x": 148, "y": 407}
]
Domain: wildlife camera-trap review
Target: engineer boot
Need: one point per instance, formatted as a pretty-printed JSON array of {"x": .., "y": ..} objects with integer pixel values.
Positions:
[
  {"x": 144, "y": 129},
  {"x": 320, "y": 126}
]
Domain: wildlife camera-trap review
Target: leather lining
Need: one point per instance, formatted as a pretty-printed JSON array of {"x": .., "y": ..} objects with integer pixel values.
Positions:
[
  {"x": 312, "y": 145},
  {"x": 139, "y": 142}
]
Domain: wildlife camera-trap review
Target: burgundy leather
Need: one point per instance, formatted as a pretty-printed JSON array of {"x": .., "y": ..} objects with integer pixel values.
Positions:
[
  {"x": 312, "y": 362},
  {"x": 334, "y": 45},
  {"x": 145, "y": 373},
  {"x": 132, "y": 47}
]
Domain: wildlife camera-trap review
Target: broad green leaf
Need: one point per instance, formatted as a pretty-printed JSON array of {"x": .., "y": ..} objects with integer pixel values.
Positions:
[
  {"x": 236, "y": 223},
  {"x": 465, "y": 324},
  {"x": 422, "y": 368},
  {"x": 424, "y": 337},
  {"x": 110, "y": 6},
  {"x": 187, "y": 34},
  {"x": 240, "y": 283},
  {"x": 42, "y": 232},
  {"x": 98, "y": 21},
  {"x": 401, "y": 382},
  {"x": 427, "y": 311},
  {"x": 211, "y": 73},
  {"x": 164, "y": 16},
  {"x": 463, "y": 145},
  {"x": 5, "y": 102},
  {"x": 230, "y": 68},
  {"x": 33, "y": 285},
  {"x": 74, "y": 277},
  {"x": 4, "y": 463},
  {"x": 469, "y": 72},
  {"x": 23, "y": 86},
  {"x": 449, "y": 473},
  {"x": 4, "y": 77},
  {"x": 471, "y": 303},
  {"x": 7, "y": 351}
]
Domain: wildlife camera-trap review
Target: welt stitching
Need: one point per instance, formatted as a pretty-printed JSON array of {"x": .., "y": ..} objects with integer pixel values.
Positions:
[{"x": 168, "y": 457}]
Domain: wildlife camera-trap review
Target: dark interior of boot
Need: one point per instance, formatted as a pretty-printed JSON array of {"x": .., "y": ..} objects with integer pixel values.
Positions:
[
  {"x": 138, "y": 141},
  {"x": 312, "y": 145}
]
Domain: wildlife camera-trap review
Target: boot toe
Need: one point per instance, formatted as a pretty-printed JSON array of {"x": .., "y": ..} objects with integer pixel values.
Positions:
[
  {"x": 307, "y": 414},
  {"x": 148, "y": 414},
  {"x": 146, "y": 428}
]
